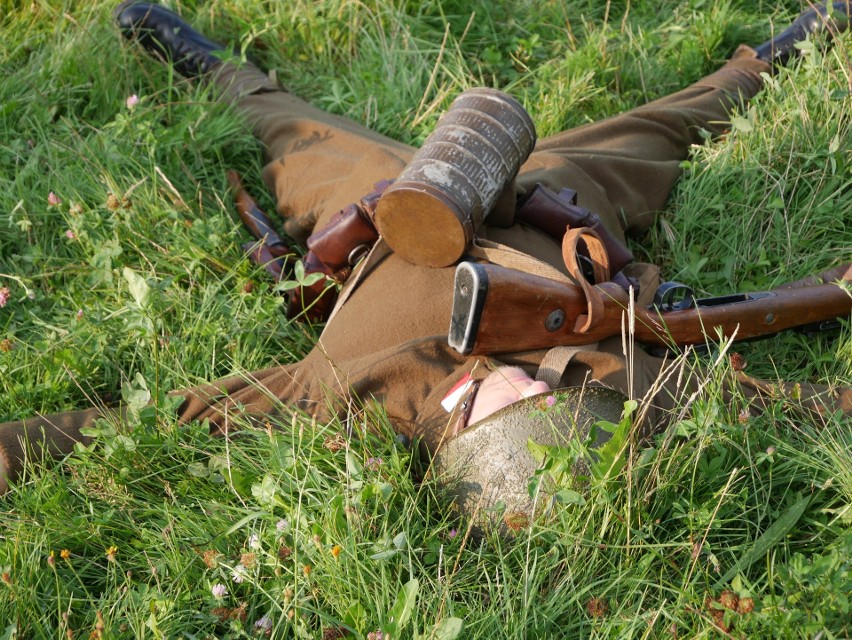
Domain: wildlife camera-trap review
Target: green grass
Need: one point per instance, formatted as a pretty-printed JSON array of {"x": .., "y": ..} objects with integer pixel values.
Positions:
[{"x": 759, "y": 506}]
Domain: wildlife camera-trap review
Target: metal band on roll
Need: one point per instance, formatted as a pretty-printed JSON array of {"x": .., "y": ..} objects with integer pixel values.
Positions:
[{"x": 431, "y": 213}]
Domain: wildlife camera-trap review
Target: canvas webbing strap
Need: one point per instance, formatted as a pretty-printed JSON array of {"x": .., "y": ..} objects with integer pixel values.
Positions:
[
  {"x": 379, "y": 251},
  {"x": 555, "y": 362},
  {"x": 506, "y": 256}
]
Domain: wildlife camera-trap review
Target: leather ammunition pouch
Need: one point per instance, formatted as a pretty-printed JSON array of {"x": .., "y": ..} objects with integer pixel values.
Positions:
[
  {"x": 333, "y": 251},
  {"x": 554, "y": 213}
]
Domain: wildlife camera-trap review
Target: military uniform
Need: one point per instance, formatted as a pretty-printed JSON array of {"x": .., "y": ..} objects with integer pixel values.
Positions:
[{"x": 388, "y": 342}]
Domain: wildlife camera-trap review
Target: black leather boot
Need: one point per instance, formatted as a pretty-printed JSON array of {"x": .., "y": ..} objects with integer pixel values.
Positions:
[
  {"x": 781, "y": 48},
  {"x": 165, "y": 34}
]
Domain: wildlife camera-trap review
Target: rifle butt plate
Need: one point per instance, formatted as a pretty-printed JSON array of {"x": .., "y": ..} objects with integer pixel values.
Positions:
[{"x": 470, "y": 290}]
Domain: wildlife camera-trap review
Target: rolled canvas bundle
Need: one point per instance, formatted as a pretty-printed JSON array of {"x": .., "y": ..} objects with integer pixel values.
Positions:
[{"x": 431, "y": 213}]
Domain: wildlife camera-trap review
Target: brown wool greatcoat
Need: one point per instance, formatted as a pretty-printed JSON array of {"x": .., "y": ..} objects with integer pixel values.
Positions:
[{"x": 388, "y": 342}]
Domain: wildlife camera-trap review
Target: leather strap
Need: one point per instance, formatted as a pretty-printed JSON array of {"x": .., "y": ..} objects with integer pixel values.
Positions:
[
  {"x": 506, "y": 256},
  {"x": 600, "y": 264}
]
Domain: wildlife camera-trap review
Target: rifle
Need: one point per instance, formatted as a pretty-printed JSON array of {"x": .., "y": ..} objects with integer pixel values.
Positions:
[{"x": 500, "y": 310}]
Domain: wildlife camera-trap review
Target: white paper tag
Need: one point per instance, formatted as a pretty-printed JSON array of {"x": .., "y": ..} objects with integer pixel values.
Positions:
[{"x": 457, "y": 393}]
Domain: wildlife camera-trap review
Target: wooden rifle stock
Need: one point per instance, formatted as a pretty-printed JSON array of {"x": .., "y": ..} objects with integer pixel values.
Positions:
[{"x": 500, "y": 310}]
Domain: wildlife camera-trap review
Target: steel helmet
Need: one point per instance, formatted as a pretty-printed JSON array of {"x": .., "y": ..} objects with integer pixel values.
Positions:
[{"x": 492, "y": 462}]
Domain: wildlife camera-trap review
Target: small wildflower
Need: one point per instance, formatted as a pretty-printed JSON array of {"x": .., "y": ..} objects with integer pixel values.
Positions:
[
  {"x": 238, "y": 575},
  {"x": 264, "y": 623},
  {"x": 70, "y": 234},
  {"x": 254, "y": 541},
  {"x": 248, "y": 560},
  {"x": 284, "y": 552},
  {"x": 79, "y": 315},
  {"x": 6, "y": 345},
  {"x": 746, "y": 605},
  {"x": 729, "y": 600},
  {"x": 516, "y": 520},
  {"x": 132, "y": 101},
  {"x": 743, "y": 416},
  {"x": 770, "y": 450},
  {"x": 306, "y": 570},
  {"x": 211, "y": 558},
  {"x": 738, "y": 363},
  {"x": 248, "y": 287},
  {"x": 5, "y": 294},
  {"x": 31, "y": 294},
  {"x": 65, "y": 554},
  {"x": 219, "y": 590},
  {"x": 76, "y": 209},
  {"x": 375, "y": 635},
  {"x": 333, "y": 633},
  {"x": 550, "y": 401},
  {"x": 334, "y": 443},
  {"x": 112, "y": 202},
  {"x": 51, "y": 560},
  {"x": 6, "y": 578},
  {"x": 281, "y": 526},
  {"x": 335, "y": 551},
  {"x": 452, "y": 533},
  {"x": 53, "y": 200},
  {"x": 374, "y": 463},
  {"x": 597, "y": 607},
  {"x": 111, "y": 553}
]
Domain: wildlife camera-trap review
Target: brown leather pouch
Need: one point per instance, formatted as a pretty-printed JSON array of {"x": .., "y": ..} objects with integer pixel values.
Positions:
[
  {"x": 344, "y": 240},
  {"x": 554, "y": 213},
  {"x": 333, "y": 251}
]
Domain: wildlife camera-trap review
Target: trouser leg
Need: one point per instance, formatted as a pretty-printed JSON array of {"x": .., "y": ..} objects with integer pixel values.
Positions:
[
  {"x": 318, "y": 162},
  {"x": 34, "y": 439},
  {"x": 624, "y": 167}
]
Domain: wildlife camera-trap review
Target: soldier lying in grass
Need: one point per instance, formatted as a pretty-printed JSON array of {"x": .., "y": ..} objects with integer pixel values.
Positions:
[{"x": 387, "y": 339}]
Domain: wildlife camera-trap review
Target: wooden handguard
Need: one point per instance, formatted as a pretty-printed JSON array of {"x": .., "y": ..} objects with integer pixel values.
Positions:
[{"x": 500, "y": 310}]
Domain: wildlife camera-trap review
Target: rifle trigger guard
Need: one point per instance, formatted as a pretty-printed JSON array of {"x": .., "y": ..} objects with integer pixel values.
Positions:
[{"x": 674, "y": 296}]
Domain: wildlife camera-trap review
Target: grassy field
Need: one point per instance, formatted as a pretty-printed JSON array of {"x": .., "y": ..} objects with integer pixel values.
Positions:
[{"x": 724, "y": 524}]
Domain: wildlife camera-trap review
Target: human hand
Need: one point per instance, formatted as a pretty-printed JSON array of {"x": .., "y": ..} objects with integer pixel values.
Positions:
[{"x": 501, "y": 388}]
